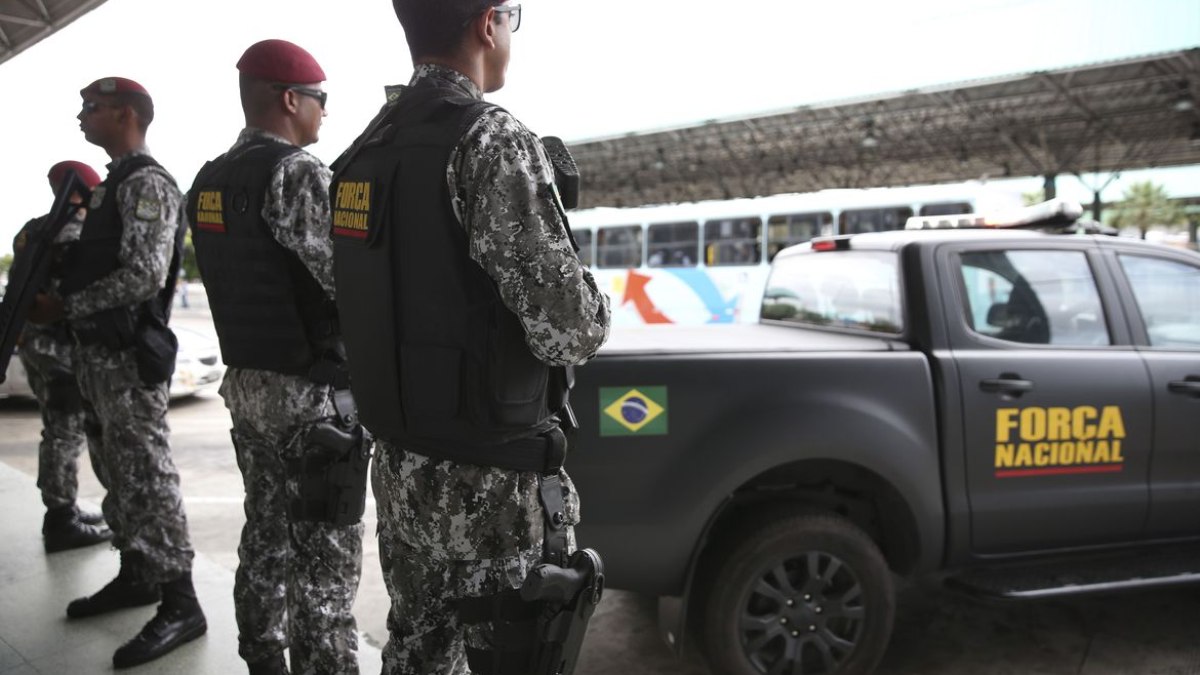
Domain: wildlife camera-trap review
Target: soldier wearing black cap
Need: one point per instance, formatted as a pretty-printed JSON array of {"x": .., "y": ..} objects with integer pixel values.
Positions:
[
  {"x": 260, "y": 217},
  {"x": 116, "y": 295},
  {"x": 48, "y": 354}
]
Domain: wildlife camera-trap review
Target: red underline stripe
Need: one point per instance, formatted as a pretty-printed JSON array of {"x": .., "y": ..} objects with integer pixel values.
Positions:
[
  {"x": 1061, "y": 471},
  {"x": 211, "y": 227},
  {"x": 348, "y": 232}
]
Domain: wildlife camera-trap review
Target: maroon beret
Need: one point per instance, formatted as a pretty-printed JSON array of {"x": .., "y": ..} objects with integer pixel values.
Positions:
[
  {"x": 114, "y": 85},
  {"x": 86, "y": 174},
  {"x": 280, "y": 61}
]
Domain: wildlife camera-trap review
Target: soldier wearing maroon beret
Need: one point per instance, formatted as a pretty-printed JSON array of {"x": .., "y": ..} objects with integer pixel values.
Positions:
[
  {"x": 116, "y": 294},
  {"x": 47, "y": 353},
  {"x": 260, "y": 218}
]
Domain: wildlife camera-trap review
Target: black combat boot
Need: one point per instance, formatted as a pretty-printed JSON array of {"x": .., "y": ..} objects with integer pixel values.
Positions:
[
  {"x": 124, "y": 591},
  {"x": 89, "y": 518},
  {"x": 63, "y": 529},
  {"x": 272, "y": 665},
  {"x": 178, "y": 621}
]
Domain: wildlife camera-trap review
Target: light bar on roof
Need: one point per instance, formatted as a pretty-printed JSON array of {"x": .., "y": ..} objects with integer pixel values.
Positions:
[{"x": 1052, "y": 213}]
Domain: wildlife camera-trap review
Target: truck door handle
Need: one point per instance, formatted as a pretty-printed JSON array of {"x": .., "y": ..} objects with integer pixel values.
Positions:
[
  {"x": 1189, "y": 386},
  {"x": 1006, "y": 385}
]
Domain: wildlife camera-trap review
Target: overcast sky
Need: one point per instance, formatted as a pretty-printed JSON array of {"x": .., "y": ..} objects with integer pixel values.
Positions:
[{"x": 580, "y": 70}]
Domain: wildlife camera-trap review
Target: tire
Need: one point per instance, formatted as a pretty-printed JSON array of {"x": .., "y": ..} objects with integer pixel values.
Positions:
[{"x": 840, "y": 590}]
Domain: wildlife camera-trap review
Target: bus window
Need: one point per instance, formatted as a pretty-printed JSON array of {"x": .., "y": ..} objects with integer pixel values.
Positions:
[
  {"x": 584, "y": 239},
  {"x": 619, "y": 246},
  {"x": 785, "y": 230},
  {"x": 945, "y": 209},
  {"x": 673, "y": 244},
  {"x": 857, "y": 221},
  {"x": 733, "y": 241}
]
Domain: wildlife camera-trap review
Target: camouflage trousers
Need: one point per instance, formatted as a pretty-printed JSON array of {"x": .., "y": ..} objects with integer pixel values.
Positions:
[
  {"x": 449, "y": 531},
  {"x": 52, "y": 379},
  {"x": 297, "y": 579},
  {"x": 132, "y": 459}
]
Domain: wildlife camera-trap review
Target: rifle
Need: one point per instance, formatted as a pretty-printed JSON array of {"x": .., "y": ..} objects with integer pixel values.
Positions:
[{"x": 30, "y": 271}]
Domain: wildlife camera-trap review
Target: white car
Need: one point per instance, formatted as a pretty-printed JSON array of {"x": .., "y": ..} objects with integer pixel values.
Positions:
[{"x": 198, "y": 368}]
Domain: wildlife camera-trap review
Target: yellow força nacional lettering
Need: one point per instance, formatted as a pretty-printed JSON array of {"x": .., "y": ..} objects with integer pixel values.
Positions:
[
  {"x": 1111, "y": 425},
  {"x": 354, "y": 195},
  {"x": 1058, "y": 437},
  {"x": 350, "y": 220},
  {"x": 1005, "y": 422},
  {"x": 209, "y": 200},
  {"x": 1081, "y": 422}
]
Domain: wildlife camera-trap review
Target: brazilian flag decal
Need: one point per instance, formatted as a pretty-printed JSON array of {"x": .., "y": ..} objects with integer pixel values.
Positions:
[{"x": 633, "y": 412}]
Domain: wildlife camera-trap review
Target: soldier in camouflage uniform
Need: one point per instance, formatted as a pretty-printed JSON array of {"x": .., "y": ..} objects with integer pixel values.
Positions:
[
  {"x": 47, "y": 353},
  {"x": 116, "y": 294},
  {"x": 452, "y": 528},
  {"x": 297, "y": 577}
]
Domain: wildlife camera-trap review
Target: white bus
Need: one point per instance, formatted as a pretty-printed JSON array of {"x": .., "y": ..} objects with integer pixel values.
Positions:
[{"x": 706, "y": 262}]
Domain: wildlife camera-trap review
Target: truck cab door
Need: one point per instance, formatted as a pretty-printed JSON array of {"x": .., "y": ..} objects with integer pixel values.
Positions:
[
  {"x": 1163, "y": 294},
  {"x": 1056, "y": 406}
]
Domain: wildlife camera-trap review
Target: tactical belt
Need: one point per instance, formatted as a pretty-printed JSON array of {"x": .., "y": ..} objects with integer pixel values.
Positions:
[{"x": 544, "y": 454}]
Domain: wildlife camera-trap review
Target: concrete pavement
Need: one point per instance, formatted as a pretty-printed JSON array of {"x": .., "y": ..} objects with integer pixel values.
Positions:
[{"x": 37, "y": 638}]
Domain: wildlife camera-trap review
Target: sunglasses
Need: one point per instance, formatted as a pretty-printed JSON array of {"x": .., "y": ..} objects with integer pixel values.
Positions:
[
  {"x": 319, "y": 94},
  {"x": 90, "y": 107}
]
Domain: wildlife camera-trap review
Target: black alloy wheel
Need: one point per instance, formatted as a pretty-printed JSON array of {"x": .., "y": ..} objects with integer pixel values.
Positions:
[{"x": 806, "y": 595}]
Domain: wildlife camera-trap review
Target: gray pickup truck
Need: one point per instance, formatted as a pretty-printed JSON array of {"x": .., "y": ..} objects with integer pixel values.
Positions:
[{"x": 1016, "y": 412}]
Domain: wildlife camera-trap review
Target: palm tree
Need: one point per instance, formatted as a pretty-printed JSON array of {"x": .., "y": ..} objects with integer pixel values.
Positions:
[{"x": 1144, "y": 205}]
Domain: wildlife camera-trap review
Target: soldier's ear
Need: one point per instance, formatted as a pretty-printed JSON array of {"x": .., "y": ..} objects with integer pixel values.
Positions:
[
  {"x": 289, "y": 101},
  {"x": 484, "y": 27}
]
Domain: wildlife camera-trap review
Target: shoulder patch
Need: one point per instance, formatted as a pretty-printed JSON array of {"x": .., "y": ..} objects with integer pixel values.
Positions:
[
  {"x": 97, "y": 197},
  {"x": 148, "y": 209},
  {"x": 352, "y": 208}
]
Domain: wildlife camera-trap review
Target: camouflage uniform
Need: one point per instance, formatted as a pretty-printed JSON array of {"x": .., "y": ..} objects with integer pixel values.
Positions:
[
  {"x": 48, "y": 355},
  {"x": 450, "y": 530},
  {"x": 132, "y": 458},
  {"x": 298, "y": 579}
]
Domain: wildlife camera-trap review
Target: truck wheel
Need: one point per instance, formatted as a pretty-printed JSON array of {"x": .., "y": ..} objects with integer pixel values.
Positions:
[{"x": 810, "y": 594}]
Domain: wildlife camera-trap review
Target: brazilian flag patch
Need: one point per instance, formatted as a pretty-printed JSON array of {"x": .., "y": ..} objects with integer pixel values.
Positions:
[{"x": 626, "y": 411}]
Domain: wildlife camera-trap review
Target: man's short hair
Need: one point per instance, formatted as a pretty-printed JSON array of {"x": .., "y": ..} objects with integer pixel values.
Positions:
[
  {"x": 142, "y": 105},
  {"x": 435, "y": 27}
]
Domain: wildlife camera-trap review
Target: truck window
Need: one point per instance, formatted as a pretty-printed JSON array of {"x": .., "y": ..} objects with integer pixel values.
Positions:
[
  {"x": 1168, "y": 296},
  {"x": 840, "y": 289},
  {"x": 1033, "y": 297},
  {"x": 796, "y": 228},
  {"x": 619, "y": 246},
  {"x": 732, "y": 241},
  {"x": 673, "y": 244}
]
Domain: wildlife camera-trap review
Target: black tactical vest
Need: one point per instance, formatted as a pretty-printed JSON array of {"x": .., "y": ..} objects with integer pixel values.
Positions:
[
  {"x": 94, "y": 255},
  {"x": 437, "y": 362},
  {"x": 142, "y": 327},
  {"x": 270, "y": 313}
]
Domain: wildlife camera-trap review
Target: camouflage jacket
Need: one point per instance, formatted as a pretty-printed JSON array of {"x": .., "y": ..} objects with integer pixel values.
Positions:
[
  {"x": 498, "y": 176},
  {"x": 151, "y": 208}
]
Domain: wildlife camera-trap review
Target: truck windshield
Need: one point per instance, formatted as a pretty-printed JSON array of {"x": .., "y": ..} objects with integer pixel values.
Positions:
[{"x": 840, "y": 289}]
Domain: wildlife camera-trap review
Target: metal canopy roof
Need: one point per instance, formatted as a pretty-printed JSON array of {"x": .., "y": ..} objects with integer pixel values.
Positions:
[
  {"x": 25, "y": 22},
  {"x": 1113, "y": 116}
]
